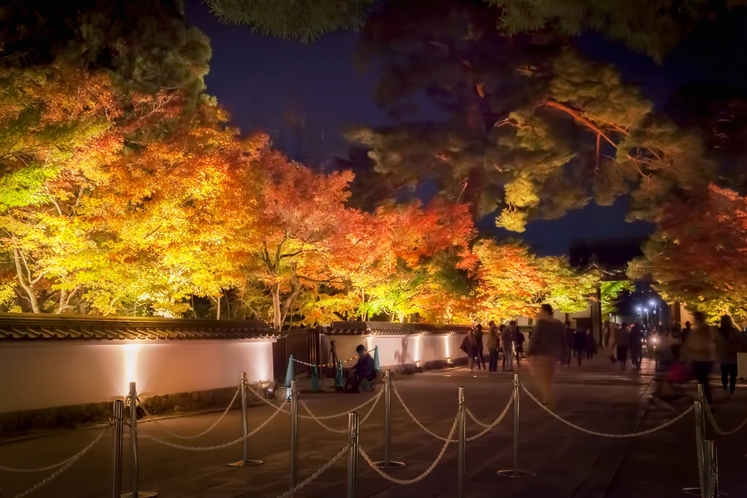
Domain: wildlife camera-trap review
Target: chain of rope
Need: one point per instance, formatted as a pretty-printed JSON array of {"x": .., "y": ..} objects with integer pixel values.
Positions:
[
  {"x": 218, "y": 446},
  {"x": 602, "y": 434},
  {"x": 316, "y": 474},
  {"x": 417, "y": 422},
  {"x": 70, "y": 461},
  {"x": 490, "y": 426},
  {"x": 342, "y": 431},
  {"x": 407, "y": 482},
  {"x": 716, "y": 426},
  {"x": 179, "y": 436}
]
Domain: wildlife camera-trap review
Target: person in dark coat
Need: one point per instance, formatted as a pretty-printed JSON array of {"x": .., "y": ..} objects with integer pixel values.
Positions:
[
  {"x": 578, "y": 342},
  {"x": 469, "y": 346},
  {"x": 365, "y": 369},
  {"x": 480, "y": 357}
]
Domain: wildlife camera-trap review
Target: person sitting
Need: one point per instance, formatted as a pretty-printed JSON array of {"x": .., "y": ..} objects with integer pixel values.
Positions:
[{"x": 363, "y": 374}]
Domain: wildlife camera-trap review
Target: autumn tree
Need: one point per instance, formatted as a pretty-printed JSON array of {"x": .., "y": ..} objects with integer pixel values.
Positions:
[
  {"x": 513, "y": 282},
  {"x": 301, "y": 225},
  {"x": 696, "y": 255}
]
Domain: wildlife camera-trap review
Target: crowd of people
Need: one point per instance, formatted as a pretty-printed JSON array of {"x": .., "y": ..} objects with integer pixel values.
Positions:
[{"x": 680, "y": 355}]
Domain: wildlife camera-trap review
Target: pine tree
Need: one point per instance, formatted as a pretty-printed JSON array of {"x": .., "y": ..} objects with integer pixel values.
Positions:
[
  {"x": 305, "y": 20},
  {"x": 532, "y": 128}
]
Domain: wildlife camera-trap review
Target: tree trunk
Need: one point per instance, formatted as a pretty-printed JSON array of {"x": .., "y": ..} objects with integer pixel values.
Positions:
[
  {"x": 217, "y": 312},
  {"x": 26, "y": 285},
  {"x": 277, "y": 315}
]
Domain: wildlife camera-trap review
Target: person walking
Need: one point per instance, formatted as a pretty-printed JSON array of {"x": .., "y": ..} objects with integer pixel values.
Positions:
[
  {"x": 591, "y": 345},
  {"x": 636, "y": 346},
  {"x": 469, "y": 346},
  {"x": 507, "y": 343},
  {"x": 698, "y": 349},
  {"x": 568, "y": 334},
  {"x": 578, "y": 342},
  {"x": 622, "y": 342},
  {"x": 547, "y": 345},
  {"x": 492, "y": 348},
  {"x": 518, "y": 345},
  {"x": 480, "y": 356},
  {"x": 728, "y": 345}
]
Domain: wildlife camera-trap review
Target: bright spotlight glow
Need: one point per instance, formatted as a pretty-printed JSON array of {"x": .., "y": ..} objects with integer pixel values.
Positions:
[
  {"x": 447, "y": 346},
  {"x": 652, "y": 303},
  {"x": 638, "y": 309},
  {"x": 417, "y": 349},
  {"x": 130, "y": 361}
]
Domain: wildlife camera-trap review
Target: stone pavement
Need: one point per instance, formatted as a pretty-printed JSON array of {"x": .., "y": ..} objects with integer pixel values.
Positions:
[{"x": 567, "y": 463}]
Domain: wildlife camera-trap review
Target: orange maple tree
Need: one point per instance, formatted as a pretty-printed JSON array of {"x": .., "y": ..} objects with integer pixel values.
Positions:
[{"x": 698, "y": 253}]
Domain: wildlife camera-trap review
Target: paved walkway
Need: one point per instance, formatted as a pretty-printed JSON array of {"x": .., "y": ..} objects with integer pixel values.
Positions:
[{"x": 568, "y": 463}]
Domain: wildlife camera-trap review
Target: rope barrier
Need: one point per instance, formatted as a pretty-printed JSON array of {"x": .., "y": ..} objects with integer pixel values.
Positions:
[
  {"x": 178, "y": 436},
  {"x": 492, "y": 425},
  {"x": 324, "y": 417},
  {"x": 70, "y": 462},
  {"x": 407, "y": 482},
  {"x": 328, "y": 364},
  {"x": 219, "y": 446},
  {"x": 716, "y": 426},
  {"x": 414, "y": 419},
  {"x": 318, "y": 420},
  {"x": 316, "y": 474},
  {"x": 602, "y": 434}
]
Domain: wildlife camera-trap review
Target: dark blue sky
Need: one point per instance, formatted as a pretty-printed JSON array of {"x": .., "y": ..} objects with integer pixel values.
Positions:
[{"x": 258, "y": 78}]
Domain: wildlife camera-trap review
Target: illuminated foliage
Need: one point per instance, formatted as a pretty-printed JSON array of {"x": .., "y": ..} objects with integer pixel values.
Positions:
[
  {"x": 697, "y": 254},
  {"x": 513, "y": 282},
  {"x": 532, "y": 128}
]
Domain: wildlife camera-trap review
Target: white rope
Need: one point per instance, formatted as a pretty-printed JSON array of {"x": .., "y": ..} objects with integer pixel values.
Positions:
[
  {"x": 406, "y": 482},
  {"x": 412, "y": 416},
  {"x": 316, "y": 474},
  {"x": 219, "y": 446},
  {"x": 716, "y": 426},
  {"x": 70, "y": 462},
  {"x": 48, "y": 467},
  {"x": 488, "y": 427},
  {"x": 602, "y": 434},
  {"x": 178, "y": 436},
  {"x": 325, "y": 417},
  {"x": 341, "y": 431}
]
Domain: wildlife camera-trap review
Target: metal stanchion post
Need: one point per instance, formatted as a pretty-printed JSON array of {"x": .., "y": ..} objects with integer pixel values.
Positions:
[
  {"x": 118, "y": 419},
  {"x": 353, "y": 440},
  {"x": 699, "y": 444},
  {"x": 387, "y": 463},
  {"x": 516, "y": 471},
  {"x": 293, "y": 434},
  {"x": 135, "y": 491},
  {"x": 245, "y": 462},
  {"x": 462, "y": 443}
]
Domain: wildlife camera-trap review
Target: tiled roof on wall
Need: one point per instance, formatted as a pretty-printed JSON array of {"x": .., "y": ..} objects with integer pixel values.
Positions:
[
  {"x": 389, "y": 328},
  {"x": 39, "y": 327}
]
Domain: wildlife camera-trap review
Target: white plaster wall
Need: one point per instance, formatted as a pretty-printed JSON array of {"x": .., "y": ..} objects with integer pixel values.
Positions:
[
  {"x": 402, "y": 350},
  {"x": 45, "y": 375}
]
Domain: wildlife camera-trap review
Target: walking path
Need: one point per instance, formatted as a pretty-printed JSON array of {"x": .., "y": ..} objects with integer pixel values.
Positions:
[{"x": 568, "y": 463}]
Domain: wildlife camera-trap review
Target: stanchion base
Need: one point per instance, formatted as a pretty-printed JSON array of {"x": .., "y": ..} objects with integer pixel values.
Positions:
[
  {"x": 246, "y": 463},
  {"x": 141, "y": 494},
  {"x": 696, "y": 492},
  {"x": 516, "y": 473},
  {"x": 389, "y": 465}
]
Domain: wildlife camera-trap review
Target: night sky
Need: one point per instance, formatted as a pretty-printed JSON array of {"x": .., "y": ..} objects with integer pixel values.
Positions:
[{"x": 259, "y": 78}]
